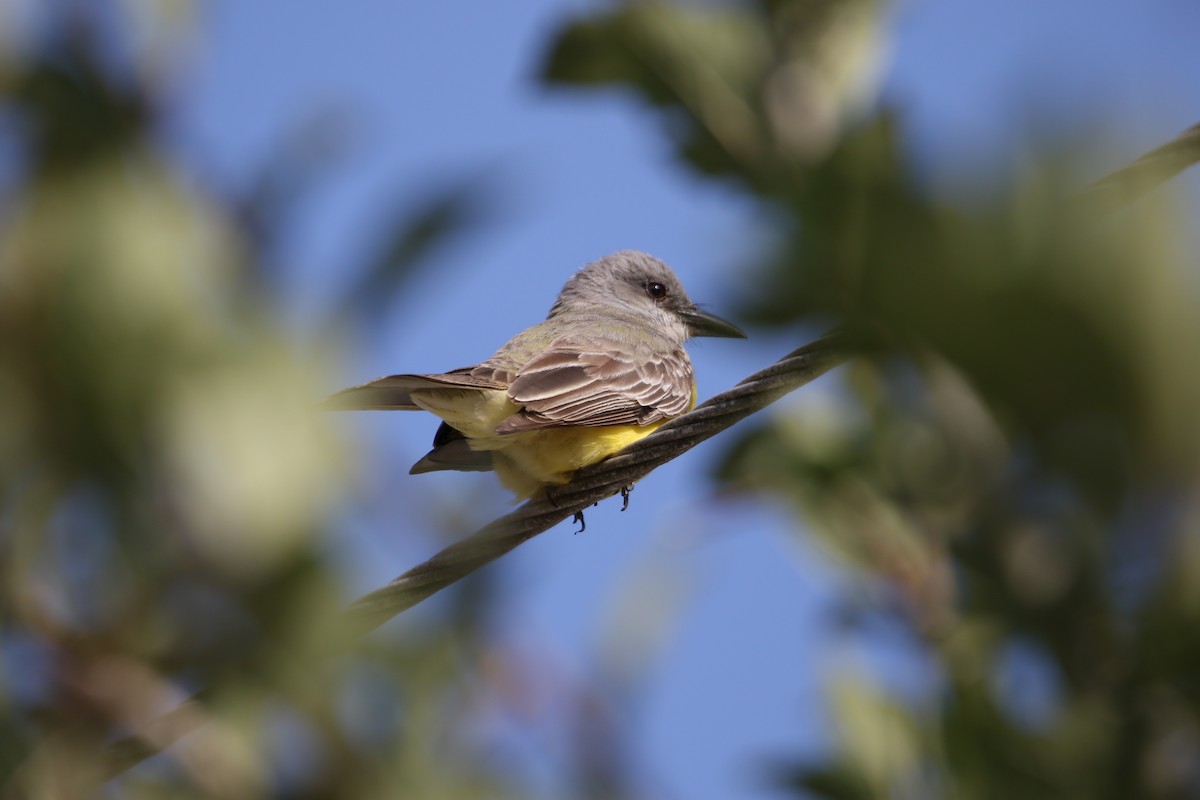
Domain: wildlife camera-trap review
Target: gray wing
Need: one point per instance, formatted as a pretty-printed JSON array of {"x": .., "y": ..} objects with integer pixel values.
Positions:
[
  {"x": 598, "y": 385},
  {"x": 393, "y": 392}
]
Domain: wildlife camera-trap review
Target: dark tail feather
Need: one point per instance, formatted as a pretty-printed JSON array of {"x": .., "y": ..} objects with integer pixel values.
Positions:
[{"x": 451, "y": 452}]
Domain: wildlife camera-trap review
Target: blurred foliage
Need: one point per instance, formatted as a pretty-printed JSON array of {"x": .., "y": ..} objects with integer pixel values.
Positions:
[
  {"x": 1017, "y": 475},
  {"x": 1020, "y": 471},
  {"x": 752, "y": 89},
  {"x": 166, "y": 479}
]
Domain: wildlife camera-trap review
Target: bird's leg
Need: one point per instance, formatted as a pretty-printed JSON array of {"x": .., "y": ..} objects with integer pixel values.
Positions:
[
  {"x": 552, "y": 496},
  {"x": 625, "y": 491}
]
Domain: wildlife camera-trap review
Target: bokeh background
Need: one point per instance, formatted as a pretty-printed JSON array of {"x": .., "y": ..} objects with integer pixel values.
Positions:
[{"x": 963, "y": 567}]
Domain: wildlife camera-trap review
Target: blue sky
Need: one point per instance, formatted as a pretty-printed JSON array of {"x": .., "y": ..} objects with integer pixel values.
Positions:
[{"x": 429, "y": 93}]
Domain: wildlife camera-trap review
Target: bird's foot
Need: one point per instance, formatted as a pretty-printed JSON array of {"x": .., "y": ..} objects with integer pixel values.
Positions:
[
  {"x": 552, "y": 497},
  {"x": 625, "y": 492},
  {"x": 579, "y": 518}
]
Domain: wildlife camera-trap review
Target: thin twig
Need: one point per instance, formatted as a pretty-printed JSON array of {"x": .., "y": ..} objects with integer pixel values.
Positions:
[{"x": 1120, "y": 188}]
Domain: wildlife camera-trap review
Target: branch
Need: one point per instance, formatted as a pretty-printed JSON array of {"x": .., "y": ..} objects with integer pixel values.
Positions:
[
  {"x": 592, "y": 484},
  {"x": 1120, "y": 188},
  {"x": 599, "y": 481},
  {"x": 588, "y": 486}
]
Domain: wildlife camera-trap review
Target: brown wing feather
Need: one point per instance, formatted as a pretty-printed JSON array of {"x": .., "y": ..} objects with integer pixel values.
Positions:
[{"x": 598, "y": 386}]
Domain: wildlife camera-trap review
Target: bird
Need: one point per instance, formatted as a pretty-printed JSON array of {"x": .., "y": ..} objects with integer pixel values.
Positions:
[{"x": 604, "y": 369}]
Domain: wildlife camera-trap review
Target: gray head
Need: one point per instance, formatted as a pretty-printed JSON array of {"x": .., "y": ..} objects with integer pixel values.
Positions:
[{"x": 630, "y": 281}]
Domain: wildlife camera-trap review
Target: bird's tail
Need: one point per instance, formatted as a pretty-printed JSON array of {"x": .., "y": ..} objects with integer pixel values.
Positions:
[
  {"x": 394, "y": 392},
  {"x": 452, "y": 452}
]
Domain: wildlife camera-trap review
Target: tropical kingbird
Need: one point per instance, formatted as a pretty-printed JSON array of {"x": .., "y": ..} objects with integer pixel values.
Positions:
[{"x": 604, "y": 369}]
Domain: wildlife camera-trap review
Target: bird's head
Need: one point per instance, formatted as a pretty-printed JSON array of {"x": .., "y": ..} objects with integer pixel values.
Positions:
[{"x": 632, "y": 281}]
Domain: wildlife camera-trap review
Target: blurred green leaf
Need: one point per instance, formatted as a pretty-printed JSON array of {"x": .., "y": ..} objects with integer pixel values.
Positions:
[
  {"x": 166, "y": 479},
  {"x": 747, "y": 94}
]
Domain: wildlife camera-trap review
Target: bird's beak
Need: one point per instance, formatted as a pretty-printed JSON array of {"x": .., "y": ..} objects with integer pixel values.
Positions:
[{"x": 702, "y": 323}]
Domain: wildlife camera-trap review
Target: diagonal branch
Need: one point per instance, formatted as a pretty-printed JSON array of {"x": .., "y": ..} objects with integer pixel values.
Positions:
[
  {"x": 1120, "y": 188},
  {"x": 674, "y": 438},
  {"x": 588, "y": 486},
  {"x": 594, "y": 483}
]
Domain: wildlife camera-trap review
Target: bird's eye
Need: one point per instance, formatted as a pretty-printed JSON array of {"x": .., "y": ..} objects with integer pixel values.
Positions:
[{"x": 656, "y": 290}]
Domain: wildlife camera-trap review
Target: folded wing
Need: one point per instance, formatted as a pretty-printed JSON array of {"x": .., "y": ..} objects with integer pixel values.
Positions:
[{"x": 598, "y": 384}]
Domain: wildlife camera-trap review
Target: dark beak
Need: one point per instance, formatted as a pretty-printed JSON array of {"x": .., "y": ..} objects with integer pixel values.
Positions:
[{"x": 702, "y": 323}]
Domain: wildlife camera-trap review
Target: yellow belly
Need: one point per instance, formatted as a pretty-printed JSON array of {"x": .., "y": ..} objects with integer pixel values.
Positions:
[{"x": 527, "y": 461}]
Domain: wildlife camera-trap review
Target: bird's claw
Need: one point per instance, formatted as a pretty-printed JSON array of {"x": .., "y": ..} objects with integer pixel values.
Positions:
[
  {"x": 579, "y": 518},
  {"x": 625, "y": 490}
]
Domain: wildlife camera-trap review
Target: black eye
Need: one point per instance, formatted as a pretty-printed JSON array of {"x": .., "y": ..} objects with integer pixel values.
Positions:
[{"x": 656, "y": 290}]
